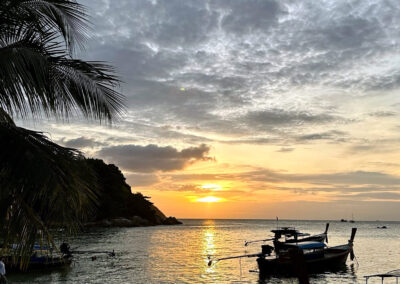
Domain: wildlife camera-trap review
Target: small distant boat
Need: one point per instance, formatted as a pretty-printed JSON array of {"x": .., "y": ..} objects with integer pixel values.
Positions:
[
  {"x": 381, "y": 227},
  {"x": 352, "y": 219},
  {"x": 343, "y": 220}
]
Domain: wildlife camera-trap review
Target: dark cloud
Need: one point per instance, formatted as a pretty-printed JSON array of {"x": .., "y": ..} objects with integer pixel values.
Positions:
[
  {"x": 152, "y": 158},
  {"x": 81, "y": 142},
  {"x": 286, "y": 149},
  {"x": 349, "y": 179},
  {"x": 244, "y": 17},
  {"x": 141, "y": 179},
  {"x": 278, "y": 117},
  {"x": 204, "y": 64},
  {"x": 382, "y": 114},
  {"x": 334, "y": 135}
]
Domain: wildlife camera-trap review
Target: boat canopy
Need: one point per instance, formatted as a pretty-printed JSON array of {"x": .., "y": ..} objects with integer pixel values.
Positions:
[{"x": 390, "y": 274}]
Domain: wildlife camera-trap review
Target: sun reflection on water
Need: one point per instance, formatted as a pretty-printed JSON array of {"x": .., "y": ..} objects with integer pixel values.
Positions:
[{"x": 209, "y": 249}]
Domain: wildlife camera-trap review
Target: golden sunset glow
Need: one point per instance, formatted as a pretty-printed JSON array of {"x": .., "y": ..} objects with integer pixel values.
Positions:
[
  {"x": 206, "y": 135},
  {"x": 212, "y": 187},
  {"x": 209, "y": 199}
]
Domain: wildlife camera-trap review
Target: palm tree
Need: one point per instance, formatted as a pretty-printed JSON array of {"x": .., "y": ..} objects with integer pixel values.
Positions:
[{"x": 42, "y": 183}]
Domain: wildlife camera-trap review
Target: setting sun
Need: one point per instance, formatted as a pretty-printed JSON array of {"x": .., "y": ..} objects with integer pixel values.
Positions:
[{"x": 209, "y": 199}]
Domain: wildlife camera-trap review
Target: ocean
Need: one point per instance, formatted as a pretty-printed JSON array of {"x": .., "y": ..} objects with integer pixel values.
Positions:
[{"x": 179, "y": 254}]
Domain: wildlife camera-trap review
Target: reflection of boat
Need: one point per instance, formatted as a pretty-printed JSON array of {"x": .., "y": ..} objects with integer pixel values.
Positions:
[
  {"x": 41, "y": 258},
  {"x": 306, "y": 257}
]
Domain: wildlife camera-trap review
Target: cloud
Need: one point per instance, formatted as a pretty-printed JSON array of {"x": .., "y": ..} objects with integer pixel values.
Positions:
[
  {"x": 333, "y": 135},
  {"x": 142, "y": 179},
  {"x": 244, "y": 17},
  {"x": 371, "y": 196},
  {"x": 152, "y": 158},
  {"x": 285, "y": 149},
  {"x": 382, "y": 114},
  {"x": 81, "y": 142},
  {"x": 339, "y": 180},
  {"x": 277, "y": 117},
  {"x": 246, "y": 67},
  {"x": 262, "y": 72}
]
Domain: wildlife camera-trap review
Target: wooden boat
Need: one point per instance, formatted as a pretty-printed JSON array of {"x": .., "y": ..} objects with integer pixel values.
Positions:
[
  {"x": 42, "y": 258},
  {"x": 38, "y": 263},
  {"x": 305, "y": 257}
]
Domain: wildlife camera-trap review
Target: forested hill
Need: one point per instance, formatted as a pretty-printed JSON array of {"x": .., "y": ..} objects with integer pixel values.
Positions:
[{"x": 117, "y": 205}]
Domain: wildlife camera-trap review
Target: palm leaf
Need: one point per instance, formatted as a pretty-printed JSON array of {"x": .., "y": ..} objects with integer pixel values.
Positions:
[
  {"x": 56, "y": 83},
  {"x": 67, "y": 17},
  {"x": 42, "y": 184}
]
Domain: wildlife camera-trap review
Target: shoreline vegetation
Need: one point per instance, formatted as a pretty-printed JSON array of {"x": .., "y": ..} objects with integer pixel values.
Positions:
[{"x": 117, "y": 205}]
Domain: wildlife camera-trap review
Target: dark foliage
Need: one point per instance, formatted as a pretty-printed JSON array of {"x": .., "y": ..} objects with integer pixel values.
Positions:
[
  {"x": 42, "y": 183},
  {"x": 115, "y": 196}
]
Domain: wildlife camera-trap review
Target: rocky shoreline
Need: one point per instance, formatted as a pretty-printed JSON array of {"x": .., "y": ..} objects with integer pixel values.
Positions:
[{"x": 134, "y": 221}]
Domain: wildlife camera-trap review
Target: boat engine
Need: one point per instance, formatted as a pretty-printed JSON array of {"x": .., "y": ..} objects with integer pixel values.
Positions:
[{"x": 267, "y": 249}]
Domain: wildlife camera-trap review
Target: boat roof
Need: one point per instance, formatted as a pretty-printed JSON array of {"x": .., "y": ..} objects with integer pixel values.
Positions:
[
  {"x": 307, "y": 245},
  {"x": 393, "y": 273},
  {"x": 285, "y": 231}
]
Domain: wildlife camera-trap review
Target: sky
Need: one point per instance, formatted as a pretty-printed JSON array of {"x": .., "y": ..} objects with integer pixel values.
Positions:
[{"x": 250, "y": 108}]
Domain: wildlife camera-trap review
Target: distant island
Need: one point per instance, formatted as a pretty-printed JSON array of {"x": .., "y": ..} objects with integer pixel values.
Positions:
[{"x": 117, "y": 205}]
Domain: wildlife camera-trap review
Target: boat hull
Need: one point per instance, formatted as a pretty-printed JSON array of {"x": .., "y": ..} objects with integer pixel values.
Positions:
[
  {"x": 333, "y": 258},
  {"x": 38, "y": 263}
]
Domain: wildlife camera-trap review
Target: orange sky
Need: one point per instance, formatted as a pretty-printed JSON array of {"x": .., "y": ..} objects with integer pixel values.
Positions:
[{"x": 272, "y": 108}]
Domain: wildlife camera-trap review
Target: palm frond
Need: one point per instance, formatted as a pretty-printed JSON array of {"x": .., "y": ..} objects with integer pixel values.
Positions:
[
  {"x": 42, "y": 184},
  {"x": 67, "y": 17},
  {"x": 38, "y": 76}
]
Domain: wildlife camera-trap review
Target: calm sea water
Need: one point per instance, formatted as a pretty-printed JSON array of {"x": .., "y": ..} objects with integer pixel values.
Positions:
[{"x": 178, "y": 254}]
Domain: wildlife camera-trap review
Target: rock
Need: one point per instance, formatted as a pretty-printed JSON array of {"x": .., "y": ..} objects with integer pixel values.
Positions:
[
  {"x": 122, "y": 222},
  {"x": 134, "y": 221},
  {"x": 104, "y": 223},
  {"x": 139, "y": 221},
  {"x": 171, "y": 221}
]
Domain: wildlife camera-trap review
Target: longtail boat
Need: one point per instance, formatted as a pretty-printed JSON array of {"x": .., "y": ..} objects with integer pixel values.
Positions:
[
  {"x": 306, "y": 256},
  {"x": 300, "y": 258},
  {"x": 42, "y": 258}
]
